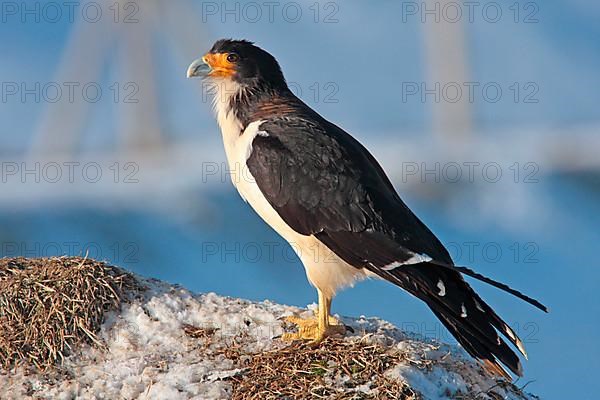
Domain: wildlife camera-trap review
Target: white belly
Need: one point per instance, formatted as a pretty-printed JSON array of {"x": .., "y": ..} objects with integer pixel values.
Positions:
[{"x": 324, "y": 269}]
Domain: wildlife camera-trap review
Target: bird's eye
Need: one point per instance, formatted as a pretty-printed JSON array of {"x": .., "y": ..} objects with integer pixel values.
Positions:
[{"x": 232, "y": 57}]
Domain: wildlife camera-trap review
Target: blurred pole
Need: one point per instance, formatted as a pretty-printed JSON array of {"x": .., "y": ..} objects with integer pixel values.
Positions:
[
  {"x": 446, "y": 66},
  {"x": 59, "y": 129},
  {"x": 140, "y": 124},
  {"x": 127, "y": 36}
]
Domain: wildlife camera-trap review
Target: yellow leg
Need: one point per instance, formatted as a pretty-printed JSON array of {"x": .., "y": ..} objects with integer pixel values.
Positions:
[
  {"x": 324, "y": 311},
  {"x": 318, "y": 328}
]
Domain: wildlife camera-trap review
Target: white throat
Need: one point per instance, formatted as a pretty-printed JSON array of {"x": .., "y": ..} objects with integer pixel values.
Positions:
[{"x": 231, "y": 126}]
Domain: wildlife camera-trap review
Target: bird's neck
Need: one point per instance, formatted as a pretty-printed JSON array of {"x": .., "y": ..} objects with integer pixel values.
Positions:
[{"x": 247, "y": 104}]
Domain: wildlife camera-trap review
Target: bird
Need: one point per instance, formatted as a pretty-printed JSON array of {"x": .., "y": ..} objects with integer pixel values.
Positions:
[{"x": 327, "y": 195}]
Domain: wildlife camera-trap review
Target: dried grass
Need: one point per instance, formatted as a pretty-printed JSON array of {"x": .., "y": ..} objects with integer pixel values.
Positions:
[
  {"x": 301, "y": 371},
  {"x": 198, "y": 333},
  {"x": 49, "y": 305}
]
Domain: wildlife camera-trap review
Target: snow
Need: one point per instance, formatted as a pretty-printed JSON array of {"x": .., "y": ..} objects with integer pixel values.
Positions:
[{"x": 149, "y": 356}]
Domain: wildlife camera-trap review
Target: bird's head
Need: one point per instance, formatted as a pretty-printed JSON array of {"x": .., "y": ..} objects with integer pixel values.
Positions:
[{"x": 239, "y": 61}]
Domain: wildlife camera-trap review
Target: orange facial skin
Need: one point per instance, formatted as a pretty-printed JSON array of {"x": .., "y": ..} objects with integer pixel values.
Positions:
[{"x": 220, "y": 67}]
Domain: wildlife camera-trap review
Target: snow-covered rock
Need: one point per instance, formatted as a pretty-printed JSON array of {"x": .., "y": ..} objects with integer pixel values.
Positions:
[{"x": 169, "y": 343}]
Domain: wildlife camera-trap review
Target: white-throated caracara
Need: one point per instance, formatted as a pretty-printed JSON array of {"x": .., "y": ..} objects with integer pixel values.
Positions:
[{"x": 329, "y": 198}]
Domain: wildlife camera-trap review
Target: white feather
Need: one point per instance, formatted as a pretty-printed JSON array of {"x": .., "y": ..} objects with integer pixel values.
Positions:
[
  {"x": 442, "y": 288},
  {"x": 414, "y": 259}
]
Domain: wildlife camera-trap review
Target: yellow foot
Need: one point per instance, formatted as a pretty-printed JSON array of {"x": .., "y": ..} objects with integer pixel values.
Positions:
[{"x": 308, "y": 329}]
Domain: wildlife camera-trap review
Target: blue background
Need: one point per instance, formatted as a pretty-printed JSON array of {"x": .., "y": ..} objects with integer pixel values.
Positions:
[{"x": 180, "y": 228}]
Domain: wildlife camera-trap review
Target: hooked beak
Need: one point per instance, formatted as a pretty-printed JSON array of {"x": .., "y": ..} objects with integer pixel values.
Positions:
[{"x": 199, "y": 68}]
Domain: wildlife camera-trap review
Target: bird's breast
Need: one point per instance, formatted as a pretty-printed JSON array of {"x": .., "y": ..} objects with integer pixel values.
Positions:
[
  {"x": 238, "y": 149},
  {"x": 324, "y": 268}
]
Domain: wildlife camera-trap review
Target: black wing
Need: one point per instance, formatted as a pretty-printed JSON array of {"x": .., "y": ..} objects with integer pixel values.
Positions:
[{"x": 323, "y": 182}]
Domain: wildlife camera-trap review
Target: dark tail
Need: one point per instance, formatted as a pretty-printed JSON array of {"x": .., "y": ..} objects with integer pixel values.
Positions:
[
  {"x": 470, "y": 320},
  {"x": 489, "y": 281}
]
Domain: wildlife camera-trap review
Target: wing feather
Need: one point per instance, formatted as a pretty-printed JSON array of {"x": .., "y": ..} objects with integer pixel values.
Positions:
[{"x": 322, "y": 182}]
